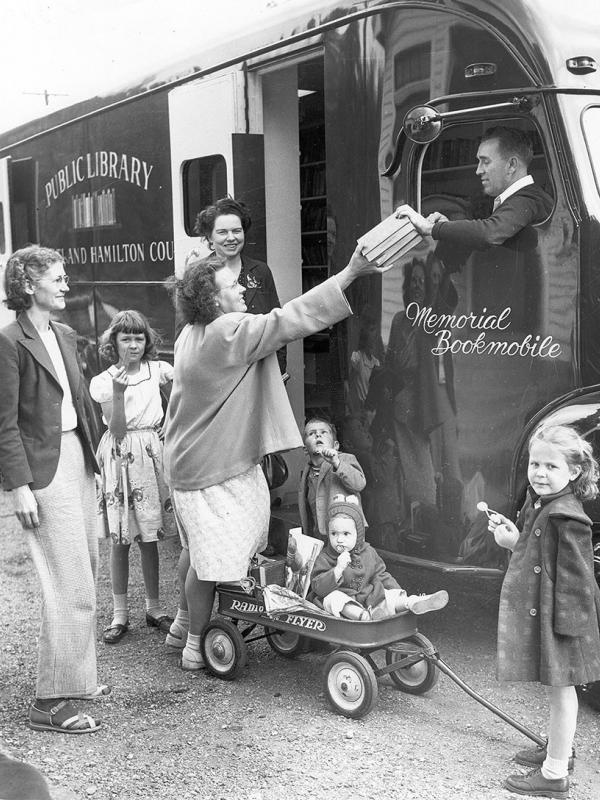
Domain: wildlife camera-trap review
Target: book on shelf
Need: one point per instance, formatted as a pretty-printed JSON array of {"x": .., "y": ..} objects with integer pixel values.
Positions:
[
  {"x": 301, "y": 556},
  {"x": 387, "y": 242}
]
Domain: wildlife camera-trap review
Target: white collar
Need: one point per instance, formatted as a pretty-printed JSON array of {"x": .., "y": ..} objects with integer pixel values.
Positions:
[{"x": 527, "y": 180}]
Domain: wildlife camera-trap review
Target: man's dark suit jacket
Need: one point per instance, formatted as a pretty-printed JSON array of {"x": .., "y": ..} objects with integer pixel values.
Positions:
[
  {"x": 30, "y": 404},
  {"x": 529, "y": 206}
]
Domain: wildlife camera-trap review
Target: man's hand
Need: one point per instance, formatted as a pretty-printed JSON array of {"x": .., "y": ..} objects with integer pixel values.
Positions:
[
  {"x": 437, "y": 216},
  {"x": 25, "y": 506},
  {"x": 422, "y": 225}
]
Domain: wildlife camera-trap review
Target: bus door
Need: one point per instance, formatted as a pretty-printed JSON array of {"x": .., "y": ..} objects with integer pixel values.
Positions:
[
  {"x": 215, "y": 151},
  {"x": 5, "y": 234},
  {"x": 478, "y": 340}
]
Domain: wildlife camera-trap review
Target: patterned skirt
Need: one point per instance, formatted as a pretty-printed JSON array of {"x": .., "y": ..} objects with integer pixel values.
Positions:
[
  {"x": 134, "y": 503},
  {"x": 225, "y": 525}
]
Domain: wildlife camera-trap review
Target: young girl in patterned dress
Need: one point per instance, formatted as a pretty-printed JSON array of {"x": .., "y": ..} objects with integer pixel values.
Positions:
[
  {"x": 135, "y": 500},
  {"x": 549, "y": 604}
]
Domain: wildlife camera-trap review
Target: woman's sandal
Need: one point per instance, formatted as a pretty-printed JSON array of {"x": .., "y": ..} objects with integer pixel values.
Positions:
[
  {"x": 64, "y": 717},
  {"x": 101, "y": 691}
]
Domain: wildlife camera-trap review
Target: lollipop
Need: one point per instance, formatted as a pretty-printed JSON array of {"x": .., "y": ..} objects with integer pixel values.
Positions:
[{"x": 483, "y": 506}]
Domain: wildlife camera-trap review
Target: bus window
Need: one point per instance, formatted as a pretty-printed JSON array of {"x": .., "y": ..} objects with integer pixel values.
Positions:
[
  {"x": 204, "y": 181},
  {"x": 24, "y": 210},
  {"x": 500, "y": 277},
  {"x": 591, "y": 129}
]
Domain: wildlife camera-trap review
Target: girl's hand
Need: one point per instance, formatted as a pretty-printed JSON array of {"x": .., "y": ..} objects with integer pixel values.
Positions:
[
  {"x": 120, "y": 380},
  {"x": 505, "y": 532},
  {"x": 343, "y": 560}
]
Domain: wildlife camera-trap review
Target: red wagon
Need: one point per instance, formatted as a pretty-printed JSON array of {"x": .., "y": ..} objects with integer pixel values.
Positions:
[{"x": 363, "y": 651}]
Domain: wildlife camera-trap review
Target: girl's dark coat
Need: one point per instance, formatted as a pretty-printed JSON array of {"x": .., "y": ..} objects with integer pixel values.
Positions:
[{"x": 550, "y": 602}]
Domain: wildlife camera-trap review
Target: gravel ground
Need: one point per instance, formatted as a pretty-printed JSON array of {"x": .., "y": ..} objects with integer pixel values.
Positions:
[{"x": 169, "y": 734}]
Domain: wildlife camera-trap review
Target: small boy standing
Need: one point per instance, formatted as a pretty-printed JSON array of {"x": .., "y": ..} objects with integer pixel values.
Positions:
[
  {"x": 350, "y": 578},
  {"x": 327, "y": 473}
]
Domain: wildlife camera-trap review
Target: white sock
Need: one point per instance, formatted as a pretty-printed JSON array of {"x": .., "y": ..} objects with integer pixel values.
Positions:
[
  {"x": 120, "y": 609},
  {"x": 193, "y": 641},
  {"x": 181, "y": 623},
  {"x": 555, "y": 768},
  {"x": 154, "y": 608}
]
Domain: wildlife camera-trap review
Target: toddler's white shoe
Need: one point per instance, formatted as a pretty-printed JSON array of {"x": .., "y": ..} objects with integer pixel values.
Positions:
[
  {"x": 191, "y": 660},
  {"x": 422, "y": 603}
]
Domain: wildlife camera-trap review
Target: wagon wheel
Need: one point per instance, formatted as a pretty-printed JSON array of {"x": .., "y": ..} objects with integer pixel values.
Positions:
[
  {"x": 350, "y": 684},
  {"x": 417, "y": 678},
  {"x": 285, "y": 643},
  {"x": 223, "y": 649}
]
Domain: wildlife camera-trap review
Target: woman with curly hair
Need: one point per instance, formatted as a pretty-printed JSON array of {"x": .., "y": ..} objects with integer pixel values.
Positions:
[
  {"x": 47, "y": 465},
  {"x": 135, "y": 500},
  {"x": 228, "y": 409}
]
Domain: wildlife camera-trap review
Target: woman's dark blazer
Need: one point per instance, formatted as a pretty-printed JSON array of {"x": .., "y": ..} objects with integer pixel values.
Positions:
[{"x": 30, "y": 404}]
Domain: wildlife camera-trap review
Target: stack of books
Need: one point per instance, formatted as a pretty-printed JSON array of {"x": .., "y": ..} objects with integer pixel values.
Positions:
[{"x": 389, "y": 241}]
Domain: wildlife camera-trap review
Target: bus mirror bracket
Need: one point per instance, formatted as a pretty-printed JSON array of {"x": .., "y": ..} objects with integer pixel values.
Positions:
[{"x": 424, "y": 124}]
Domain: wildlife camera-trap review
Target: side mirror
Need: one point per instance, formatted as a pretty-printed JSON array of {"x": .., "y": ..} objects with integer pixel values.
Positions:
[{"x": 422, "y": 124}]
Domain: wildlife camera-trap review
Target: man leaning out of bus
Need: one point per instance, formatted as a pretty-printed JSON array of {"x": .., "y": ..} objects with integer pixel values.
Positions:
[{"x": 503, "y": 159}]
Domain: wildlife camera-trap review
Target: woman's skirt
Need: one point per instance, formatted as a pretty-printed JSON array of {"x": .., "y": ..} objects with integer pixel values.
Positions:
[
  {"x": 134, "y": 502},
  {"x": 225, "y": 525}
]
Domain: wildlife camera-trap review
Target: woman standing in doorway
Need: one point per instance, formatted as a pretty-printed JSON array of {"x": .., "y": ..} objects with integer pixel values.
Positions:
[{"x": 224, "y": 226}]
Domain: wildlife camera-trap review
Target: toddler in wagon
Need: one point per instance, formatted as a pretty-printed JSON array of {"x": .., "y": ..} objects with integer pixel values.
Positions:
[{"x": 350, "y": 578}]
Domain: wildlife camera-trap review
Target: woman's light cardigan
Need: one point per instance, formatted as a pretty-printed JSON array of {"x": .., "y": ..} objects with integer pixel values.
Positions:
[{"x": 228, "y": 406}]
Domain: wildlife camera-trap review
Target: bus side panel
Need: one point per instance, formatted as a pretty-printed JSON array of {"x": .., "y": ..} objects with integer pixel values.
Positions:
[{"x": 99, "y": 191}]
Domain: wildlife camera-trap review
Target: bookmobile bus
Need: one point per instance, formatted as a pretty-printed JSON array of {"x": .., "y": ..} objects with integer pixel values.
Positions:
[{"x": 304, "y": 122}]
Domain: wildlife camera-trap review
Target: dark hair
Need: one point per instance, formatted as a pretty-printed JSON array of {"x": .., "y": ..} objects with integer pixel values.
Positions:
[
  {"x": 194, "y": 293},
  {"x": 129, "y": 321},
  {"x": 511, "y": 142},
  {"x": 207, "y": 218},
  {"x": 26, "y": 265},
  {"x": 325, "y": 421},
  {"x": 577, "y": 452}
]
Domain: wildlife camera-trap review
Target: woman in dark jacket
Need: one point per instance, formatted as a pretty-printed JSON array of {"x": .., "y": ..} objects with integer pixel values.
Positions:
[
  {"x": 224, "y": 225},
  {"x": 47, "y": 464}
]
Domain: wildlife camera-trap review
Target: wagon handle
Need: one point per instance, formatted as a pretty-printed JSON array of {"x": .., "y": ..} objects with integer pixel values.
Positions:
[{"x": 443, "y": 667}]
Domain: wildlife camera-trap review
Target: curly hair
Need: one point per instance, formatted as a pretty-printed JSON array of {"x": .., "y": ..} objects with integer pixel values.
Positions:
[
  {"x": 194, "y": 294},
  {"x": 577, "y": 452},
  {"x": 24, "y": 266},
  {"x": 129, "y": 321},
  {"x": 206, "y": 219}
]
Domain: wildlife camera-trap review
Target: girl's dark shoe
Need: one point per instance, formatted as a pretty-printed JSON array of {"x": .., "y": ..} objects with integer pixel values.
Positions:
[
  {"x": 163, "y": 623},
  {"x": 535, "y": 785},
  {"x": 114, "y": 633},
  {"x": 535, "y": 757}
]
